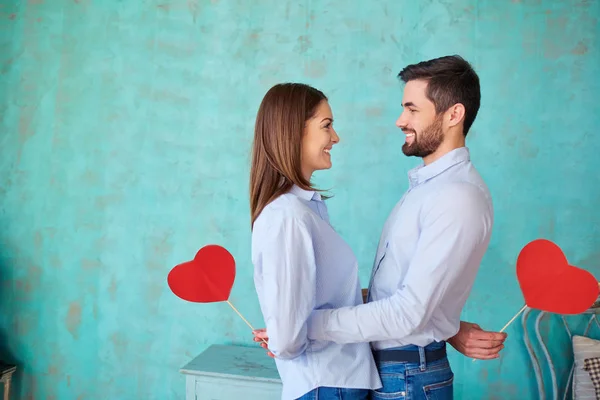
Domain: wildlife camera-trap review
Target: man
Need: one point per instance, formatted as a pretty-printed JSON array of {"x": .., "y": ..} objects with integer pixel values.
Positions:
[{"x": 431, "y": 245}]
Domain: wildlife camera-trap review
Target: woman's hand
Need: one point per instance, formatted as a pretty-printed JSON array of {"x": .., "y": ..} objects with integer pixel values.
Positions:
[{"x": 474, "y": 342}]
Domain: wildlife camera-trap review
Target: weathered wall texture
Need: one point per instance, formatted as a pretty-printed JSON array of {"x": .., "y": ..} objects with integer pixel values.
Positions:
[{"x": 125, "y": 130}]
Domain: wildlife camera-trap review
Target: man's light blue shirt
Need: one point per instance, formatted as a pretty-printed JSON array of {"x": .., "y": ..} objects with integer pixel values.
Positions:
[
  {"x": 301, "y": 264},
  {"x": 428, "y": 256}
]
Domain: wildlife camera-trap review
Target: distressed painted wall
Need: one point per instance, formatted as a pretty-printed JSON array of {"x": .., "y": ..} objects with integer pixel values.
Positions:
[{"x": 125, "y": 130}]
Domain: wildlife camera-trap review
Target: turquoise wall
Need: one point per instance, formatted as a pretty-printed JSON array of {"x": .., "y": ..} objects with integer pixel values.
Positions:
[{"x": 125, "y": 134}]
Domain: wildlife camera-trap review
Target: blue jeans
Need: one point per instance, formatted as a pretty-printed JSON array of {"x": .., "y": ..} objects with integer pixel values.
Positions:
[
  {"x": 415, "y": 381},
  {"x": 328, "y": 393}
]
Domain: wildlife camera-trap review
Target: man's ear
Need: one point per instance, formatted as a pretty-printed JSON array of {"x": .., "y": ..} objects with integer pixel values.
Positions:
[{"x": 456, "y": 114}]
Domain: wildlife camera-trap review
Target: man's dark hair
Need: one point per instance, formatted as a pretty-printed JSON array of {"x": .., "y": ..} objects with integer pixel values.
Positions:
[{"x": 451, "y": 80}]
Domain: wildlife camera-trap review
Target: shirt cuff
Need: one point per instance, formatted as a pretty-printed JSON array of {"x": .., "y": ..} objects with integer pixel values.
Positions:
[{"x": 316, "y": 325}]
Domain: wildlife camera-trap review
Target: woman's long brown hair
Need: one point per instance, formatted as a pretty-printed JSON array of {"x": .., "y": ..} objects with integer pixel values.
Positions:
[{"x": 276, "y": 151}]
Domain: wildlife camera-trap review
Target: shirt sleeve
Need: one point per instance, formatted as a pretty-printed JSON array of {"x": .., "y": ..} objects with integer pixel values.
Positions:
[
  {"x": 455, "y": 228},
  {"x": 287, "y": 272}
]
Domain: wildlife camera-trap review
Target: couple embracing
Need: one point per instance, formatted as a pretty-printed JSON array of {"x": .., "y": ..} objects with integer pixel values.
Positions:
[{"x": 328, "y": 342}]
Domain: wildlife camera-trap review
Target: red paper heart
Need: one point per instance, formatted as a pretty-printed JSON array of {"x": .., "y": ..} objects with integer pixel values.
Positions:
[
  {"x": 550, "y": 284},
  {"x": 207, "y": 278}
]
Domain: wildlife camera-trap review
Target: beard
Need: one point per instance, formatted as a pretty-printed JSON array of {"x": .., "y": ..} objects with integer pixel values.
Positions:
[{"x": 426, "y": 142}]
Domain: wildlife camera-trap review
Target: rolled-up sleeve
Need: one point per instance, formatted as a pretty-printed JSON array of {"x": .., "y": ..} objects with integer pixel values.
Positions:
[
  {"x": 285, "y": 263},
  {"x": 455, "y": 227}
]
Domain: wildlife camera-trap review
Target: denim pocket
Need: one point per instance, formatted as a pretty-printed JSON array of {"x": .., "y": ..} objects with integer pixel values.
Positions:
[
  {"x": 354, "y": 394},
  {"x": 312, "y": 395},
  {"x": 440, "y": 391},
  {"x": 394, "y": 387}
]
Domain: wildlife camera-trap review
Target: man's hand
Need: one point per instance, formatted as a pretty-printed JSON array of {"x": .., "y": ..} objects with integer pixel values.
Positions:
[
  {"x": 260, "y": 335},
  {"x": 474, "y": 342}
]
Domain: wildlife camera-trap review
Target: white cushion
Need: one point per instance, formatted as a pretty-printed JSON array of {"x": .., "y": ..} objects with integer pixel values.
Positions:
[{"x": 583, "y": 347}]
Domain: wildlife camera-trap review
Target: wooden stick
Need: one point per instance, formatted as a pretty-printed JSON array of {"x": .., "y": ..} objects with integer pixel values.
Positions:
[
  {"x": 510, "y": 322},
  {"x": 238, "y": 313},
  {"x": 242, "y": 317},
  {"x": 513, "y": 318}
]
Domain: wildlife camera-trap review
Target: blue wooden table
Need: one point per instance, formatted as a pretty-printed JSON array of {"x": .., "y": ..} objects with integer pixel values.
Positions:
[{"x": 224, "y": 372}]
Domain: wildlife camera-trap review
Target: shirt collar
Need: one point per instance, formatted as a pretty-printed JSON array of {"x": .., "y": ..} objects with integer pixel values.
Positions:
[
  {"x": 307, "y": 195},
  {"x": 423, "y": 173}
]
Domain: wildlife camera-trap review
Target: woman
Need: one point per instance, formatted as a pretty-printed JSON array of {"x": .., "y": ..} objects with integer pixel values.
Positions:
[{"x": 300, "y": 262}]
